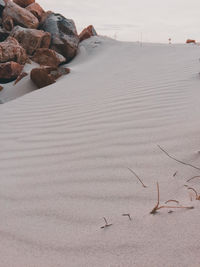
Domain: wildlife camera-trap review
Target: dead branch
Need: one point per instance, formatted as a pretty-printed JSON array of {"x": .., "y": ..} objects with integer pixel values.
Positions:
[
  {"x": 106, "y": 224},
  {"x": 128, "y": 215},
  {"x": 197, "y": 195},
  {"x": 172, "y": 200},
  {"x": 137, "y": 177},
  {"x": 177, "y": 160},
  {"x": 194, "y": 177},
  {"x": 158, "y": 207}
]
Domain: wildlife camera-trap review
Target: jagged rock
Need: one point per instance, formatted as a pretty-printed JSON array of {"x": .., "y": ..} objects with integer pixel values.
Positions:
[
  {"x": 45, "y": 76},
  {"x": 48, "y": 57},
  {"x": 9, "y": 71},
  {"x": 36, "y": 10},
  {"x": 31, "y": 39},
  {"x": 87, "y": 33},
  {"x": 10, "y": 50},
  {"x": 2, "y": 6},
  {"x": 42, "y": 76},
  {"x": 190, "y": 41},
  {"x": 8, "y": 23},
  {"x": 19, "y": 15},
  {"x": 64, "y": 35},
  {"x": 20, "y": 77},
  {"x": 3, "y": 34},
  {"x": 24, "y": 3}
]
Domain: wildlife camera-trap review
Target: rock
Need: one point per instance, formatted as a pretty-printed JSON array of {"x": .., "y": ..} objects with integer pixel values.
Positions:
[
  {"x": 190, "y": 41},
  {"x": 48, "y": 57},
  {"x": 24, "y": 3},
  {"x": 45, "y": 76},
  {"x": 63, "y": 33},
  {"x": 9, "y": 71},
  {"x": 31, "y": 39},
  {"x": 2, "y": 6},
  {"x": 10, "y": 50},
  {"x": 20, "y": 77},
  {"x": 36, "y": 10},
  {"x": 42, "y": 76},
  {"x": 8, "y": 23},
  {"x": 3, "y": 34},
  {"x": 19, "y": 15},
  {"x": 87, "y": 33},
  {"x": 1, "y": 88}
]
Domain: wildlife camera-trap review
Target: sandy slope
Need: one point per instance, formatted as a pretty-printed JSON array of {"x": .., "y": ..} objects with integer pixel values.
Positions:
[{"x": 65, "y": 150}]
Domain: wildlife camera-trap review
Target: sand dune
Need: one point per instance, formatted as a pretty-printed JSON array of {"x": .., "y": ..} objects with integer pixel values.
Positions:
[{"x": 65, "y": 151}]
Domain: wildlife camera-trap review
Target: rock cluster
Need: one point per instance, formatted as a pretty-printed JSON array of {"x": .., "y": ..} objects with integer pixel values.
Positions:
[{"x": 27, "y": 32}]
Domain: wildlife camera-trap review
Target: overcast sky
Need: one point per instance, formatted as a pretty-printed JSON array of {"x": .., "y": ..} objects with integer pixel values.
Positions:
[{"x": 131, "y": 20}]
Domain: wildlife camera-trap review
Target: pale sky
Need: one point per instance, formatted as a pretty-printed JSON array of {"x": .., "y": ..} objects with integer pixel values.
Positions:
[{"x": 131, "y": 20}]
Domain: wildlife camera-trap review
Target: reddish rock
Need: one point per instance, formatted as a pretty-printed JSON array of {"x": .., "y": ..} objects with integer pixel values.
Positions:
[
  {"x": 1, "y": 88},
  {"x": 19, "y": 15},
  {"x": 20, "y": 77},
  {"x": 87, "y": 33},
  {"x": 45, "y": 76},
  {"x": 31, "y": 39},
  {"x": 64, "y": 35},
  {"x": 48, "y": 57},
  {"x": 190, "y": 41},
  {"x": 8, "y": 23},
  {"x": 36, "y": 10},
  {"x": 24, "y": 3},
  {"x": 9, "y": 71},
  {"x": 10, "y": 50},
  {"x": 42, "y": 76}
]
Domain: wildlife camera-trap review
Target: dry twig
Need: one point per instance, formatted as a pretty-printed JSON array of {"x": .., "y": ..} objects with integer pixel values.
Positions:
[
  {"x": 196, "y": 194},
  {"x": 158, "y": 207},
  {"x": 137, "y": 177},
  {"x": 194, "y": 177},
  {"x": 106, "y": 224},
  {"x": 128, "y": 215},
  {"x": 177, "y": 160}
]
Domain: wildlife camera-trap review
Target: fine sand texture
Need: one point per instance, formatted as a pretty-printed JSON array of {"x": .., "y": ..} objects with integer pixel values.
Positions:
[{"x": 67, "y": 151}]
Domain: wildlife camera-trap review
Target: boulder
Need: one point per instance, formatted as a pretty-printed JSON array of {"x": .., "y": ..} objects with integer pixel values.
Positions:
[
  {"x": 42, "y": 76},
  {"x": 3, "y": 34},
  {"x": 2, "y": 6},
  {"x": 45, "y": 76},
  {"x": 31, "y": 39},
  {"x": 9, "y": 71},
  {"x": 63, "y": 33},
  {"x": 10, "y": 50},
  {"x": 36, "y": 10},
  {"x": 190, "y": 41},
  {"x": 20, "y": 77},
  {"x": 8, "y": 23},
  {"x": 19, "y": 16},
  {"x": 87, "y": 33},
  {"x": 1, "y": 88},
  {"x": 24, "y": 3},
  {"x": 48, "y": 57}
]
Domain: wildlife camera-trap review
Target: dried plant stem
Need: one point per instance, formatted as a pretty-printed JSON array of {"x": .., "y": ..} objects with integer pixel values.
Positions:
[
  {"x": 128, "y": 215},
  {"x": 137, "y": 177},
  {"x": 177, "y": 160},
  {"x": 106, "y": 223},
  {"x": 157, "y": 207},
  {"x": 197, "y": 195},
  {"x": 172, "y": 200},
  {"x": 194, "y": 177}
]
